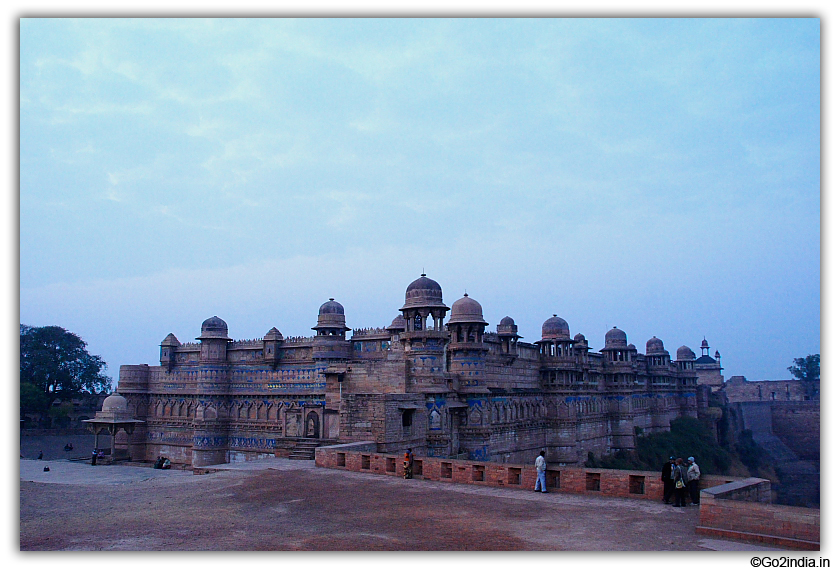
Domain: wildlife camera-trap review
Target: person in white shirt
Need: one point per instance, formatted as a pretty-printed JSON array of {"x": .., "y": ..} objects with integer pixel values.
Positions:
[
  {"x": 540, "y": 465},
  {"x": 693, "y": 481}
]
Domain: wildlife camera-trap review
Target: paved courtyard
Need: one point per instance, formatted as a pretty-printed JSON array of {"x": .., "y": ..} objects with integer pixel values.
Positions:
[{"x": 278, "y": 504}]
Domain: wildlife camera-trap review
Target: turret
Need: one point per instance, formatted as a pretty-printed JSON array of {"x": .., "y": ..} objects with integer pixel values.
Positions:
[
  {"x": 214, "y": 339},
  {"x": 330, "y": 341},
  {"x": 167, "y": 351},
  {"x": 272, "y": 343}
]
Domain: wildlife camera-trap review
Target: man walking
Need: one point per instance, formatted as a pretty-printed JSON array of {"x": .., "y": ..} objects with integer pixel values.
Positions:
[
  {"x": 693, "y": 481},
  {"x": 540, "y": 465}
]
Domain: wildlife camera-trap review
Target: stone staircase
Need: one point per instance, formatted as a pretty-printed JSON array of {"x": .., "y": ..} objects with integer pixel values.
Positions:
[{"x": 304, "y": 449}]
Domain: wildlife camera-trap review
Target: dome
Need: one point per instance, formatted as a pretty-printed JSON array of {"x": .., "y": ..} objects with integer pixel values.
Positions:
[
  {"x": 631, "y": 346},
  {"x": 115, "y": 404},
  {"x": 397, "y": 324},
  {"x": 214, "y": 327},
  {"x": 579, "y": 337},
  {"x": 331, "y": 316},
  {"x": 655, "y": 346},
  {"x": 507, "y": 327},
  {"x": 331, "y": 308},
  {"x": 615, "y": 338},
  {"x": 555, "y": 328},
  {"x": 423, "y": 292},
  {"x": 685, "y": 353},
  {"x": 114, "y": 411},
  {"x": 466, "y": 310},
  {"x": 704, "y": 344},
  {"x": 214, "y": 324}
]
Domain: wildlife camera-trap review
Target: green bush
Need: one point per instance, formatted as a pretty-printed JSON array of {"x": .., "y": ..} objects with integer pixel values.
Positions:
[{"x": 688, "y": 437}]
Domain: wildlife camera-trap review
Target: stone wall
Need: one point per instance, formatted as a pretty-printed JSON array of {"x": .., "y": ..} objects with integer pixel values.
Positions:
[
  {"x": 739, "y": 389},
  {"x": 741, "y": 510},
  {"x": 797, "y": 424},
  {"x": 362, "y": 457}
]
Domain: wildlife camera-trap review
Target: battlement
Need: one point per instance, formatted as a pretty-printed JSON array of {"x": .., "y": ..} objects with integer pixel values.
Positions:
[
  {"x": 370, "y": 332},
  {"x": 252, "y": 343},
  {"x": 298, "y": 339}
]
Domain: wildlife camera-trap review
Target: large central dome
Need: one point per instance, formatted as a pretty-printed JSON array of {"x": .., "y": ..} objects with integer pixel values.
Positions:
[{"x": 423, "y": 292}]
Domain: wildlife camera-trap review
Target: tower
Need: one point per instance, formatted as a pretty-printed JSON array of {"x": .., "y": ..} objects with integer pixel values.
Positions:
[
  {"x": 466, "y": 345},
  {"x": 424, "y": 342},
  {"x": 330, "y": 342},
  {"x": 214, "y": 339}
]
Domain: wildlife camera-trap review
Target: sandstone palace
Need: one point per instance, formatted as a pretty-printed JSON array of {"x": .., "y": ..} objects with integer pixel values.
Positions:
[{"x": 441, "y": 387}]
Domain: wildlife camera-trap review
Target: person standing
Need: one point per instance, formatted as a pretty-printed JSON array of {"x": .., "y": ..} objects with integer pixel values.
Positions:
[
  {"x": 408, "y": 465},
  {"x": 668, "y": 480},
  {"x": 540, "y": 465},
  {"x": 693, "y": 481},
  {"x": 680, "y": 477},
  {"x": 93, "y": 458}
]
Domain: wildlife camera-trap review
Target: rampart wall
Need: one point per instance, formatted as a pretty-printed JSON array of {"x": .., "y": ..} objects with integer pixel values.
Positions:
[{"x": 604, "y": 482}]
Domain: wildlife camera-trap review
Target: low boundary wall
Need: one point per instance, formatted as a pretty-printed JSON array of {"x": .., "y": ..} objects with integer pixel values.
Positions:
[
  {"x": 742, "y": 510},
  {"x": 362, "y": 457}
]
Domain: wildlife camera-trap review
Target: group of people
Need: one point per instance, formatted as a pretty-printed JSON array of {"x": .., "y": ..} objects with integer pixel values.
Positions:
[
  {"x": 679, "y": 477},
  {"x": 163, "y": 463},
  {"x": 97, "y": 454}
]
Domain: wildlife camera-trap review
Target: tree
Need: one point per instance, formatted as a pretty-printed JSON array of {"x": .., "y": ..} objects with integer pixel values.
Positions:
[
  {"x": 808, "y": 371},
  {"x": 54, "y": 363}
]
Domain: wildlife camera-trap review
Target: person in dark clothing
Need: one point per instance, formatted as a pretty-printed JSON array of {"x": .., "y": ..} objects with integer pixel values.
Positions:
[
  {"x": 680, "y": 480},
  {"x": 40, "y": 455},
  {"x": 93, "y": 458},
  {"x": 668, "y": 480}
]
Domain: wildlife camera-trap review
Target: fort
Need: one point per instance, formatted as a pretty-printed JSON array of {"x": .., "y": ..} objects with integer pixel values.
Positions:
[{"x": 445, "y": 388}]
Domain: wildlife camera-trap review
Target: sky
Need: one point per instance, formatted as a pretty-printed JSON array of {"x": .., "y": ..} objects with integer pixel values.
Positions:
[{"x": 658, "y": 175}]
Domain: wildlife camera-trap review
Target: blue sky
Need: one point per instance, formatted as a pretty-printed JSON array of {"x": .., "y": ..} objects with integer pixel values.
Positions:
[{"x": 662, "y": 176}]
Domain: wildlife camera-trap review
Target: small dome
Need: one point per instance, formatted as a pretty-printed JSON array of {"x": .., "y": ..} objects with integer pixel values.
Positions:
[
  {"x": 579, "y": 337},
  {"x": 507, "y": 327},
  {"x": 555, "y": 328},
  {"x": 397, "y": 324},
  {"x": 704, "y": 344},
  {"x": 423, "y": 292},
  {"x": 466, "y": 310},
  {"x": 654, "y": 346},
  {"x": 214, "y": 324},
  {"x": 685, "y": 353},
  {"x": 631, "y": 346},
  {"x": 615, "y": 338},
  {"x": 115, "y": 404},
  {"x": 331, "y": 308},
  {"x": 214, "y": 327},
  {"x": 331, "y": 316}
]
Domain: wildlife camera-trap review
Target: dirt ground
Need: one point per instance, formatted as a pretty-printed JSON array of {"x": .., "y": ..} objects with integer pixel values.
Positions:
[{"x": 291, "y": 505}]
